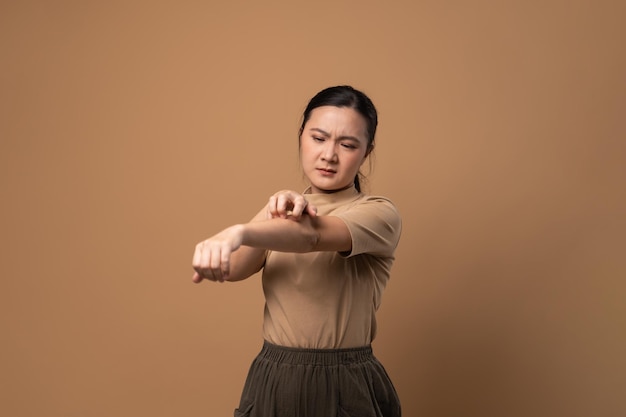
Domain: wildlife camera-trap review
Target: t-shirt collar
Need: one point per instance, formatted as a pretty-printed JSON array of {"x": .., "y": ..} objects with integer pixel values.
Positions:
[{"x": 346, "y": 194}]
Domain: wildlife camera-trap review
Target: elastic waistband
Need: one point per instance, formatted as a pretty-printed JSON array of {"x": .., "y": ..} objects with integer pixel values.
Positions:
[{"x": 298, "y": 356}]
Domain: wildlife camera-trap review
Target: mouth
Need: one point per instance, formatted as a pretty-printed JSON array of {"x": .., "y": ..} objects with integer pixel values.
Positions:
[{"x": 326, "y": 171}]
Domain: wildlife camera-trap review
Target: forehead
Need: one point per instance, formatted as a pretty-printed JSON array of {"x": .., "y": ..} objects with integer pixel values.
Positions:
[{"x": 338, "y": 121}]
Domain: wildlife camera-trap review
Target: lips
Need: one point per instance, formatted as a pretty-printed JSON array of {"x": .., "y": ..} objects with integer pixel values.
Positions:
[{"x": 327, "y": 171}]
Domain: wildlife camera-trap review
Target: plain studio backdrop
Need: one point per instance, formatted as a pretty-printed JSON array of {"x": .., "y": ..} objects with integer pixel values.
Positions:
[{"x": 131, "y": 130}]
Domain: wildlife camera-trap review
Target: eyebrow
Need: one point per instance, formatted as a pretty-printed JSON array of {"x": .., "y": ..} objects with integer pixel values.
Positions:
[{"x": 323, "y": 132}]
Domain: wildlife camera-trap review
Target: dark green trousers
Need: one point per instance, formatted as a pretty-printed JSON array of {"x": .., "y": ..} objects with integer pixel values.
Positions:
[{"x": 290, "y": 382}]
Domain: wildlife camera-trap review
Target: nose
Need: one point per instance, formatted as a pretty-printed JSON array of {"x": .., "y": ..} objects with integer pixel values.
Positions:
[{"x": 329, "y": 153}]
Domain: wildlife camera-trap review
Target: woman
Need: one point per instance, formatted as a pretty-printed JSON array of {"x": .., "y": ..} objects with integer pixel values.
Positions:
[{"x": 326, "y": 256}]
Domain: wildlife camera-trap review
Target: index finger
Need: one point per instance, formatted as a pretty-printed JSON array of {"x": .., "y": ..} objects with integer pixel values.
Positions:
[
  {"x": 299, "y": 205},
  {"x": 283, "y": 203}
]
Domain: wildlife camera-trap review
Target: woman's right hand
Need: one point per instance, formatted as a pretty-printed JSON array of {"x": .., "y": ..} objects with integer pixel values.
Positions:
[
  {"x": 289, "y": 204},
  {"x": 211, "y": 259}
]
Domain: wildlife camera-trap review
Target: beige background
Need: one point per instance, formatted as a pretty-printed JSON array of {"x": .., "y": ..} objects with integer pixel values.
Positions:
[{"x": 132, "y": 130}]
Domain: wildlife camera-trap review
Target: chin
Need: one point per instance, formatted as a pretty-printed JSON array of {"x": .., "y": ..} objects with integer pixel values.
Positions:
[{"x": 331, "y": 188}]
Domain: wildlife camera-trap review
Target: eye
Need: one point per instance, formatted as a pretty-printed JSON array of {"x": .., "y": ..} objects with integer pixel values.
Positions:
[
  {"x": 318, "y": 139},
  {"x": 348, "y": 146}
]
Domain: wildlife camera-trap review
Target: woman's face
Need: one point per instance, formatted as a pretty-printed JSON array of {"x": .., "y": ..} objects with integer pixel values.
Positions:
[{"x": 333, "y": 145}]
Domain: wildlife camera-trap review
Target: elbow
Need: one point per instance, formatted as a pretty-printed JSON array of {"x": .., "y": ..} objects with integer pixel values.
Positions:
[
  {"x": 311, "y": 241},
  {"x": 302, "y": 237}
]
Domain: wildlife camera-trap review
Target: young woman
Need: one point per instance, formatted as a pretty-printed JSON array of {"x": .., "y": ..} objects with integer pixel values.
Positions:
[{"x": 326, "y": 256}]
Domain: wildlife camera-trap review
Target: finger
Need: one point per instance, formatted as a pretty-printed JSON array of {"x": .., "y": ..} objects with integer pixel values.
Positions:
[
  {"x": 271, "y": 207},
  {"x": 225, "y": 263},
  {"x": 215, "y": 265},
  {"x": 197, "y": 255},
  {"x": 197, "y": 263},
  {"x": 311, "y": 210},
  {"x": 205, "y": 257},
  {"x": 208, "y": 274},
  {"x": 196, "y": 278},
  {"x": 299, "y": 205},
  {"x": 211, "y": 276},
  {"x": 204, "y": 265},
  {"x": 282, "y": 205}
]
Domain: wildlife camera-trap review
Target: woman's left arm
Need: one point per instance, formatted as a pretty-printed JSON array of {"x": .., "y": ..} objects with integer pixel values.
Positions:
[
  {"x": 326, "y": 233},
  {"x": 308, "y": 234}
]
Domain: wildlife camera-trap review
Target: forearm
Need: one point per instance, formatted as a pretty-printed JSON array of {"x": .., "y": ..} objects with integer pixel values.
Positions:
[
  {"x": 239, "y": 251},
  {"x": 248, "y": 260},
  {"x": 283, "y": 235}
]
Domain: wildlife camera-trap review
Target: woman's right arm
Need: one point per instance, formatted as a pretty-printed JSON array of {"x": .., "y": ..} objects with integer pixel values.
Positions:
[{"x": 239, "y": 251}]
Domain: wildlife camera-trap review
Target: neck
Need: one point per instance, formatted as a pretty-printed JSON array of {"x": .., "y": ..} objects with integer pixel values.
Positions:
[{"x": 321, "y": 191}]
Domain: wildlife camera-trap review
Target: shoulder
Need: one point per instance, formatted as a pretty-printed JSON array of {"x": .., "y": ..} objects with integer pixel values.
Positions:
[
  {"x": 372, "y": 210},
  {"x": 376, "y": 199},
  {"x": 374, "y": 203},
  {"x": 374, "y": 224}
]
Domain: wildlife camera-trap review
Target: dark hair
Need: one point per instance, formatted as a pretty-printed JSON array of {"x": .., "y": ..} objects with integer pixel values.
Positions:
[{"x": 346, "y": 96}]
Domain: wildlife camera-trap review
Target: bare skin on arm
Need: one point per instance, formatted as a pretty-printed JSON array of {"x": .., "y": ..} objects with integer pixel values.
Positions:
[{"x": 287, "y": 224}]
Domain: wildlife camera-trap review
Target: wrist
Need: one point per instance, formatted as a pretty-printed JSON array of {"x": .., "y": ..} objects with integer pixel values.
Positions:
[{"x": 240, "y": 231}]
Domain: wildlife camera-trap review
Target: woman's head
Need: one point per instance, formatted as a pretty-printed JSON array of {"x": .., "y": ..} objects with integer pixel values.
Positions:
[{"x": 337, "y": 134}]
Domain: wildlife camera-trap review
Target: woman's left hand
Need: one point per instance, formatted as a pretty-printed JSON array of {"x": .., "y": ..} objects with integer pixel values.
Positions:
[{"x": 289, "y": 204}]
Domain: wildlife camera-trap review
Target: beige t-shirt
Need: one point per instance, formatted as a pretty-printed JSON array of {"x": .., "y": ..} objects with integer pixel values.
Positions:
[{"x": 328, "y": 300}]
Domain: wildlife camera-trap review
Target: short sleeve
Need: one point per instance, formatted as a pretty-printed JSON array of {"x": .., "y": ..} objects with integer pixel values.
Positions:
[{"x": 375, "y": 226}]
